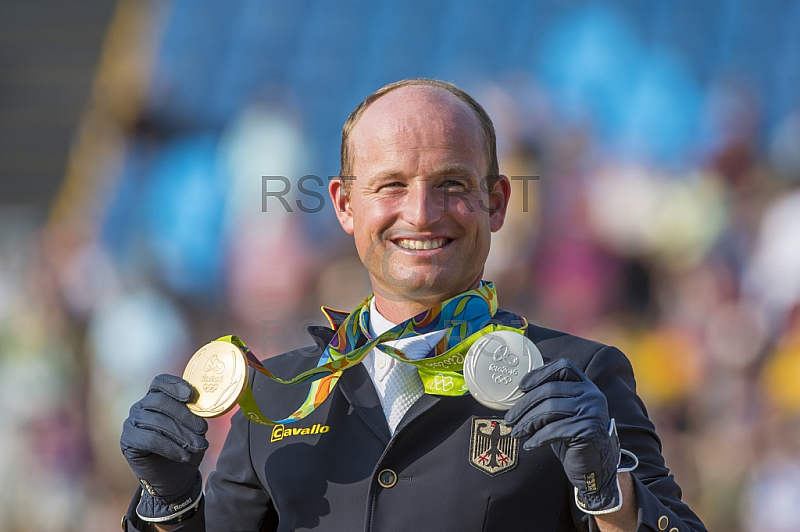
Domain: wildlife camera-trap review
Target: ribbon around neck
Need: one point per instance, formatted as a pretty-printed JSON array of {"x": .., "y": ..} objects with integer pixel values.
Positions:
[{"x": 441, "y": 371}]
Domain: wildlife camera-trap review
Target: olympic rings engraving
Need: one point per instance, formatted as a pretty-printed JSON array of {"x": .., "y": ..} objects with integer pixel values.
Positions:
[
  {"x": 499, "y": 378},
  {"x": 443, "y": 383}
]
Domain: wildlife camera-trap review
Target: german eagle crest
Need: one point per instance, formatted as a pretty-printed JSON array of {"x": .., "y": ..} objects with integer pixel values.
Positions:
[{"x": 491, "y": 447}]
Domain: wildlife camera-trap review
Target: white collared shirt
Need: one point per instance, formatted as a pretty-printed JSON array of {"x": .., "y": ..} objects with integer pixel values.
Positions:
[{"x": 378, "y": 364}]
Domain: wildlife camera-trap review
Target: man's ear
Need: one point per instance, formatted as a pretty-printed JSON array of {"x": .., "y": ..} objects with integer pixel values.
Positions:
[
  {"x": 498, "y": 202},
  {"x": 341, "y": 203}
]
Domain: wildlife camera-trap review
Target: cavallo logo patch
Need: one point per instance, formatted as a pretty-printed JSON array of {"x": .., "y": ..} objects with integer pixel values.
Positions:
[
  {"x": 280, "y": 432},
  {"x": 491, "y": 447}
]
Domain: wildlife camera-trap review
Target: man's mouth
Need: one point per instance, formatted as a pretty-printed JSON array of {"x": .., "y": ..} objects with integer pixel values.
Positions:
[{"x": 423, "y": 244}]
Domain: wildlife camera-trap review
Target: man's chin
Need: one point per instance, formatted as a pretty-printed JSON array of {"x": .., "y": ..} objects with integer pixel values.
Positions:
[
  {"x": 406, "y": 294},
  {"x": 426, "y": 291}
]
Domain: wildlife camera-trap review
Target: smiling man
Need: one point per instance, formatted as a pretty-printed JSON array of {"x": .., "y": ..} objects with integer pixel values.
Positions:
[
  {"x": 418, "y": 206},
  {"x": 383, "y": 442}
]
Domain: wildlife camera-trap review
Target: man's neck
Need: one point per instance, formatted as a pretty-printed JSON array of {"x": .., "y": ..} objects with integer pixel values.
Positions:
[{"x": 378, "y": 323}]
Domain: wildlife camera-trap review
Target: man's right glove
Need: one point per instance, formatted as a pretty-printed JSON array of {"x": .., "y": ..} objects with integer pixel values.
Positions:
[{"x": 164, "y": 443}]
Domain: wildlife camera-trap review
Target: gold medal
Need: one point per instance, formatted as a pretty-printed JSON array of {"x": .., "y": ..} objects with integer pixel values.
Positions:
[{"x": 218, "y": 375}]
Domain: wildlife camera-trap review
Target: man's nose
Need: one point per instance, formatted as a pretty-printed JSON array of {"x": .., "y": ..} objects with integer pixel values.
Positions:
[{"x": 423, "y": 206}]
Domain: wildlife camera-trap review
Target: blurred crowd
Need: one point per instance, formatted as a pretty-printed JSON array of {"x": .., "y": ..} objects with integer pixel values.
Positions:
[{"x": 650, "y": 211}]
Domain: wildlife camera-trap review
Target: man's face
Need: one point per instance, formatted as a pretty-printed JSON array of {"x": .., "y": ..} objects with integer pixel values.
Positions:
[{"x": 418, "y": 206}]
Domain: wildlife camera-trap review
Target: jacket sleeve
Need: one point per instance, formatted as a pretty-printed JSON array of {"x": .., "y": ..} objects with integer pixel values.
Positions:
[
  {"x": 235, "y": 499},
  {"x": 658, "y": 496}
]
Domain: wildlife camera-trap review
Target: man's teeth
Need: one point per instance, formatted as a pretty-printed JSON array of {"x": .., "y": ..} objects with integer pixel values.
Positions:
[{"x": 434, "y": 243}]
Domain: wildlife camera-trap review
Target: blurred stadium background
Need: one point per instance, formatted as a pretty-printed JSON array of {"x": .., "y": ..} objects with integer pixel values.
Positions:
[{"x": 666, "y": 219}]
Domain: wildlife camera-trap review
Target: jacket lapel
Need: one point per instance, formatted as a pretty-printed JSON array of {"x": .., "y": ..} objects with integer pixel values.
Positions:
[
  {"x": 420, "y": 406},
  {"x": 357, "y": 388}
]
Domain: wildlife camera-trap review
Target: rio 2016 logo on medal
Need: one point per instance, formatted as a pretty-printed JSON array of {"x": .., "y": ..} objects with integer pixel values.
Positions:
[
  {"x": 218, "y": 375},
  {"x": 495, "y": 365}
]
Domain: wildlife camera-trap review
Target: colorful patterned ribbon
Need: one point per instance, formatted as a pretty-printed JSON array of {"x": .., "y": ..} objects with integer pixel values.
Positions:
[{"x": 441, "y": 371}]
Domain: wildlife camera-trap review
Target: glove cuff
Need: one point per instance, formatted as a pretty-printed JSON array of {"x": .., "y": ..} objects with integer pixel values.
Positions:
[
  {"x": 607, "y": 498},
  {"x": 154, "y": 509},
  {"x": 610, "y": 499},
  {"x": 604, "y": 501}
]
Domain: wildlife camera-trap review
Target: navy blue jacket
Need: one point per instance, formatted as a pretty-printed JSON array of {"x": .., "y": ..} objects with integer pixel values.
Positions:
[{"x": 449, "y": 466}]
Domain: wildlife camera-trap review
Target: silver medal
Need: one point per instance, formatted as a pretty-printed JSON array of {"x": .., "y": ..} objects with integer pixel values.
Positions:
[{"x": 495, "y": 364}]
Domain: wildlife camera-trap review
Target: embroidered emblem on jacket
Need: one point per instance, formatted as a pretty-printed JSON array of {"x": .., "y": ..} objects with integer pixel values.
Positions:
[
  {"x": 491, "y": 447},
  {"x": 280, "y": 432}
]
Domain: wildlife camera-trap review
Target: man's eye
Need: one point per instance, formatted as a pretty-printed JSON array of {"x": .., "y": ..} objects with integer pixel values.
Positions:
[{"x": 454, "y": 183}]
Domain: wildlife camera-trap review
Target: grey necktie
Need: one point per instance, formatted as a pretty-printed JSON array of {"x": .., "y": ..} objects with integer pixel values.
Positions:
[{"x": 403, "y": 384}]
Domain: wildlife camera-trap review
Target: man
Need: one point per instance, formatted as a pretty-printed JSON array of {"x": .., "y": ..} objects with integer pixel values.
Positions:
[{"x": 378, "y": 453}]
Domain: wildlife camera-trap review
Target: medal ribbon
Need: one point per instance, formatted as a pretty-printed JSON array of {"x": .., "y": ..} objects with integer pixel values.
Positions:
[{"x": 441, "y": 371}]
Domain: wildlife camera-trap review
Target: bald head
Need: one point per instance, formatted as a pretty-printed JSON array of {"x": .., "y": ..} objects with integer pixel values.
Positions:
[{"x": 421, "y": 96}]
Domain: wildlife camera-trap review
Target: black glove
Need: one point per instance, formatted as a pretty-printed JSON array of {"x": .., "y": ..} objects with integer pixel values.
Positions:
[
  {"x": 164, "y": 444},
  {"x": 562, "y": 407}
]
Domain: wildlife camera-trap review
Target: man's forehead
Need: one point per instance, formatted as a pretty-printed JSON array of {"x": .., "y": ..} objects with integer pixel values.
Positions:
[{"x": 417, "y": 107}]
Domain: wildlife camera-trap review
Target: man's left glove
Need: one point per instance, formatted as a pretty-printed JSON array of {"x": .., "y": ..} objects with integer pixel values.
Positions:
[{"x": 562, "y": 407}]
